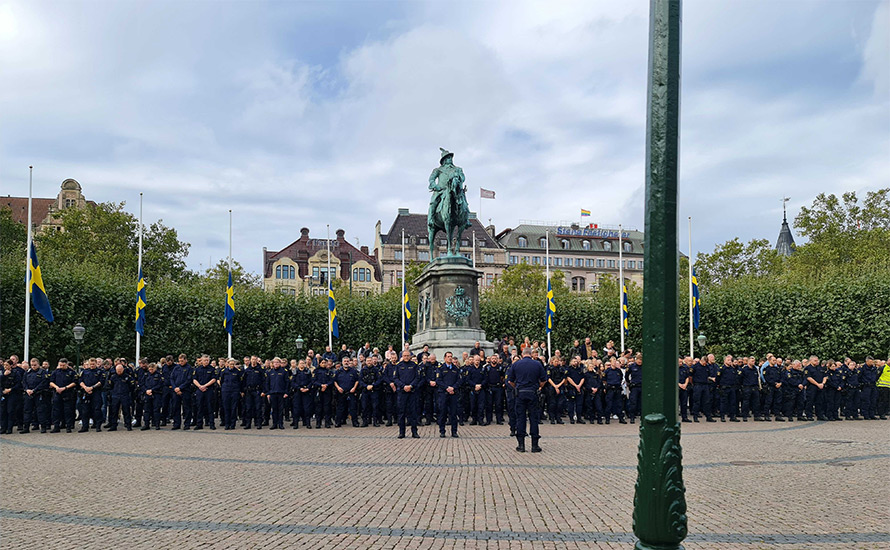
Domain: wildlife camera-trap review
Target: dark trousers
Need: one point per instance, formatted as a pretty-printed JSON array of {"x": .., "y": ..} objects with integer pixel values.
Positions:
[
  {"x": 346, "y": 405},
  {"x": 833, "y": 402},
  {"x": 792, "y": 402},
  {"x": 230, "y": 408},
  {"x": 7, "y": 415},
  {"x": 15, "y": 403},
  {"x": 63, "y": 409},
  {"x": 203, "y": 411},
  {"x": 813, "y": 402},
  {"x": 556, "y": 403},
  {"x": 181, "y": 406},
  {"x": 771, "y": 401},
  {"x": 323, "y": 412},
  {"x": 151, "y": 409},
  {"x": 428, "y": 403},
  {"x": 634, "y": 402},
  {"x": 253, "y": 408},
  {"x": 370, "y": 406},
  {"x": 511, "y": 408},
  {"x": 614, "y": 402},
  {"x": 448, "y": 411},
  {"x": 477, "y": 405},
  {"x": 750, "y": 401},
  {"x": 574, "y": 403},
  {"x": 276, "y": 409},
  {"x": 684, "y": 403},
  {"x": 527, "y": 413},
  {"x": 302, "y": 407},
  {"x": 407, "y": 410},
  {"x": 37, "y": 411},
  {"x": 729, "y": 401},
  {"x": 851, "y": 402},
  {"x": 388, "y": 405},
  {"x": 494, "y": 404},
  {"x": 868, "y": 401},
  {"x": 91, "y": 408},
  {"x": 120, "y": 403},
  {"x": 883, "y": 401},
  {"x": 701, "y": 400},
  {"x": 593, "y": 406}
]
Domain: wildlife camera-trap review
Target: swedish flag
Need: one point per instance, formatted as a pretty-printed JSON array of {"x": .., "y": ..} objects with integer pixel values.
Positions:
[
  {"x": 230, "y": 305},
  {"x": 696, "y": 302},
  {"x": 140, "y": 304},
  {"x": 624, "y": 308},
  {"x": 332, "y": 309},
  {"x": 551, "y": 307},
  {"x": 406, "y": 311},
  {"x": 36, "y": 289}
]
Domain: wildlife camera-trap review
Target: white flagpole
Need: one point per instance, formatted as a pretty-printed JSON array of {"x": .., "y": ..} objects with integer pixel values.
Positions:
[
  {"x": 230, "y": 270},
  {"x": 28, "y": 268},
  {"x": 691, "y": 349},
  {"x": 621, "y": 288},
  {"x": 404, "y": 338},
  {"x": 547, "y": 270},
  {"x": 330, "y": 286},
  {"x": 474, "y": 248},
  {"x": 139, "y": 272}
]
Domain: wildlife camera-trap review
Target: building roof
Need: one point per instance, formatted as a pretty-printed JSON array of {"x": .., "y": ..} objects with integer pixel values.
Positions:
[
  {"x": 785, "y": 243},
  {"x": 303, "y": 248},
  {"x": 19, "y": 206},
  {"x": 575, "y": 235},
  {"x": 415, "y": 226}
]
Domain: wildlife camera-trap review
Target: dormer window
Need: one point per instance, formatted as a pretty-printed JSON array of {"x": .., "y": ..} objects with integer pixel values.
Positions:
[
  {"x": 607, "y": 246},
  {"x": 522, "y": 242}
]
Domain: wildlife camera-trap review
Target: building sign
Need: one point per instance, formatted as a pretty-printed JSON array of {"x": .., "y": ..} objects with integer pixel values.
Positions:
[{"x": 590, "y": 232}]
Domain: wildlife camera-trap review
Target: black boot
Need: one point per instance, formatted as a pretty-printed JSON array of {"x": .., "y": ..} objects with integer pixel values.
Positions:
[
  {"x": 521, "y": 446},
  {"x": 535, "y": 447}
]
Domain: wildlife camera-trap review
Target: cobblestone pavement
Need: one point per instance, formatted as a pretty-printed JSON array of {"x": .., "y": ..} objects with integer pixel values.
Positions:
[{"x": 749, "y": 486}]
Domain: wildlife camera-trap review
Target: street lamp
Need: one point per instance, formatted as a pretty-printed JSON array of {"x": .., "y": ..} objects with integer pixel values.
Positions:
[
  {"x": 78, "y": 331},
  {"x": 702, "y": 340},
  {"x": 300, "y": 343}
]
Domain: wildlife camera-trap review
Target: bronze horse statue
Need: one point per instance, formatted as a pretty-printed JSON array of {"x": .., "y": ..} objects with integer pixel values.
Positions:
[{"x": 449, "y": 211}]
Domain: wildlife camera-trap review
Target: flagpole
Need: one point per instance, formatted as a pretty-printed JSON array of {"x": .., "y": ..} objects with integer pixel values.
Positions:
[
  {"x": 474, "y": 246},
  {"x": 547, "y": 270},
  {"x": 139, "y": 272},
  {"x": 330, "y": 288},
  {"x": 691, "y": 349},
  {"x": 403, "y": 293},
  {"x": 28, "y": 268},
  {"x": 620, "y": 288},
  {"x": 230, "y": 271}
]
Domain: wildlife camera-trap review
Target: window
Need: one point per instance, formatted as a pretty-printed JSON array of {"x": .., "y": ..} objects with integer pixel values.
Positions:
[
  {"x": 465, "y": 242},
  {"x": 399, "y": 276},
  {"x": 628, "y": 247},
  {"x": 579, "y": 262},
  {"x": 284, "y": 291},
  {"x": 467, "y": 256},
  {"x": 277, "y": 271},
  {"x": 536, "y": 260},
  {"x": 489, "y": 258},
  {"x": 607, "y": 246},
  {"x": 355, "y": 274},
  {"x": 293, "y": 272},
  {"x": 612, "y": 263},
  {"x": 640, "y": 264},
  {"x": 601, "y": 263},
  {"x": 522, "y": 242},
  {"x": 565, "y": 244},
  {"x": 542, "y": 242},
  {"x": 589, "y": 262},
  {"x": 397, "y": 254},
  {"x": 578, "y": 284},
  {"x": 315, "y": 272},
  {"x": 333, "y": 273},
  {"x": 514, "y": 260},
  {"x": 70, "y": 202},
  {"x": 632, "y": 264},
  {"x": 558, "y": 261},
  {"x": 525, "y": 259},
  {"x": 423, "y": 255},
  {"x": 489, "y": 279},
  {"x": 443, "y": 242},
  {"x": 423, "y": 240},
  {"x": 585, "y": 245}
]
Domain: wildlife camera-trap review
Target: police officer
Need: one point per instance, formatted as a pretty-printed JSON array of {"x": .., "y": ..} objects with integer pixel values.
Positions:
[
  {"x": 138, "y": 394},
  {"x": 90, "y": 401},
  {"x": 556, "y": 392},
  {"x": 793, "y": 385},
  {"x": 612, "y": 379},
  {"x": 254, "y": 380},
  {"x": 323, "y": 382},
  {"x": 63, "y": 381},
  {"x": 634, "y": 376},
  {"x": 276, "y": 388},
  {"x": 684, "y": 377},
  {"x": 346, "y": 382},
  {"x": 152, "y": 388},
  {"x": 728, "y": 384},
  {"x": 427, "y": 396},
  {"x": 36, "y": 384},
  {"x": 372, "y": 379},
  {"x": 388, "y": 396},
  {"x": 181, "y": 384},
  {"x": 833, "y": 391},
  {"x": 301, "y": 396},
  {"x": 7, "y": 381},
  {"x": 771, "y": 375},
  {"x": 120, "y": 386},
  {"x": 204, "y": 379},
  {"x": 868, "y": 393},
  {"x": 750, "y": 381},
  {"x": 816, "y": 376},
  {"x": 406, "y": 378},
  {"x": 574, "y": 390},
  {"x": 231, "y": 384},
  {"x": 475, "y": 380},
  {"x": 701, "y": 390},
  {"x": 852, "y": 383},
  {"x": 494, "y": 381},
  {"x": 448, "y": 381},
  {"x": 593, "y": 392},
  {"x": 527, "y": 376}
]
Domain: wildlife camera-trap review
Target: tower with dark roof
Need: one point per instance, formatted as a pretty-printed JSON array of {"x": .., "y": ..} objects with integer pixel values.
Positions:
[{"x": 785, "y": 243}]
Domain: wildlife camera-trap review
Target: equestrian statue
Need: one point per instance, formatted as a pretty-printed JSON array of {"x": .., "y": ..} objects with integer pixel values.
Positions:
[{"x": 449, "y": 211}]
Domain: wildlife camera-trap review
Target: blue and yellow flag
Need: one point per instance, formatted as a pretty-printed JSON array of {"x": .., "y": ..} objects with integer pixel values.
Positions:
[
  {"x": 551, "y": 307},
  {"x": 696, "y": 302},
  {"x": 230, "y": 305},
  {"x": 406, "y": 311},
  {"x": 624, "y": 308},
  {"x": 140, "y": 304},
  {"x": 36, "y": 289},
  {"x": 334, "y": 325}
]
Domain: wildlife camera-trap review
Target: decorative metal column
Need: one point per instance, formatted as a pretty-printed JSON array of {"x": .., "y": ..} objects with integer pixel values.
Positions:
[{"x": 659, "y": 499}]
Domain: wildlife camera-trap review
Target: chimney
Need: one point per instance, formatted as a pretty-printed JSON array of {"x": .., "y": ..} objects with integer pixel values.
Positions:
[
  {"x": 403, "y": 212},
  {"x": 304, "y": 233},
  {"x": 364, "y": 250},
  {"x": 340, "y": 234},
  {"x": 490, "y": 230}
]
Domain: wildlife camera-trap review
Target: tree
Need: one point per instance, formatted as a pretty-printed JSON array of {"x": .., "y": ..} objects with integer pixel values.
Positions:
[
  {"x": 13, "y": 238},
  {"x": 528, "y": 280},
  {"x": 240, "y": 277},
  {"x": 733, "y": 260}
]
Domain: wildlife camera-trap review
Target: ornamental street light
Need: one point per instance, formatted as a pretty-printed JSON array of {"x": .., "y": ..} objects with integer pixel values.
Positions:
[
  {"x": 300, "y": 343},
  {"x": 702, "y": 340},
  {"x": 78, "y": 331}
]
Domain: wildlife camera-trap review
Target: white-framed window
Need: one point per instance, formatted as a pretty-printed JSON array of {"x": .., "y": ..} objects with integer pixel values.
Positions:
[
  {"x": 611, "y": 263},
  {"x": 578, "y": 284},
  {"x": 536, "y": 260},
  {"x": 277, "y": 271},
  {"x": 628, "y": 247},
  {"x": 579, "y": 262},
  {"x": 585, "y": 244},
  {"x": 565, "y": 244},
  {"x": 601, "y": 263},
  {"x": 293, "y": 272},
  {"x": 589, "y": 262},
  {"x": 465, "y": 242},
  {"x": 607, "y": 246},
  {"x": 397, "y": 254},
  {"x": 525, "y": 259},
  {"x": 514, "y": 259},
  {"x": 522, "y": 242},
  {"x": 558, "y": 261},
  {"x": 632, "y": 264},
  {"x": 640, "y": 264},
  {"x": 542, "y": 242},
  {"x": 489, "y": 279},
  {"x": 489, "y": 258},
  {"x": 423, "y": 255}
]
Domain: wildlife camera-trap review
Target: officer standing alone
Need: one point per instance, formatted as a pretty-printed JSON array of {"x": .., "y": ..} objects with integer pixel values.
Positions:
[{"x": 527, "y": 376}]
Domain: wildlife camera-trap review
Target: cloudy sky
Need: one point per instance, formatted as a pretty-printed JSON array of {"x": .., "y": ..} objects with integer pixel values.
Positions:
[{"x": 306, "y": 113}]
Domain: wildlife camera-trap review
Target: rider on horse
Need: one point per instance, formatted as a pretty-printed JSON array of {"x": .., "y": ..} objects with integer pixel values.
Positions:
[{"x": 449, "y": 210}]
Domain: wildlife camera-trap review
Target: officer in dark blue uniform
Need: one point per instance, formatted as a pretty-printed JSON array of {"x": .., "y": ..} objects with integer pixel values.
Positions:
[
  {"x": 494, "y": 382},
  {"x": 868, "y": 393},
  {"x": 750, "y": 380},
  {"x": 7, "y": 380},
  {"x": 713, "y": 371},
  {"x": 816, "y": 375},
  {"x": 728, "y": 386},
  {"x": 772, "y": 374},
  {"x": 120, "y": 384},
  {"x": 204, "y": 380},
  {"x": 510, "y": 392},
  {"x": 254, "y": 380},
  {"x": 277, "y": 382},
  {"x": 448, "y": 382},
  {"x": 793, "y": 385},
  {"x": 574, "y": 390},
  {"x": 612, "y": 379},
  {"x": 63, "y": 381},
  {"x": 852, "y": 383},
  {"x": 634, "y": 376},
  {"x": 323, "y": 383},
  {"x": 834, "y": 388},
  {"x": 388, "y": 396},
  {"x": 426, "y": 402},
  {"x": 372, "y": 381},
  {"x": 301, "y": 392},
  {"x": 527, "y": 376},
  {"x": 231, "y": 384},
  {"x": 556, "y": 392},
  {"x": 684, "y": 377},
  {"x": 15, "y": 398},
  {"x": 152, "y": 388},
  {"x": 181, "y": 380},
  {"x": 475, "y": 380},
  {"x": 37, "y": 394},
  {"x": 701, "y": 390},
  {"x": 406, "y": 378},
  {"x": 90, "y": 399},
  {"x": 346, "y": 382}
]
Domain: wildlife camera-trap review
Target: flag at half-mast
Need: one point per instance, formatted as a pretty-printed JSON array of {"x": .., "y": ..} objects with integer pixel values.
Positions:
[
  {"x": 230, "y": 305},
  {"x": 406, "y": 311},
  {"x": 624, "y": 323},
  {"x": 334, "y": 324},
  {"x": 140, "y": 304},
  {"x": 486, "y": 194},
  {"x": 551, "y": 307},
  {"x": 36, "y": 288},
  {"x": 696, "y": 302}
]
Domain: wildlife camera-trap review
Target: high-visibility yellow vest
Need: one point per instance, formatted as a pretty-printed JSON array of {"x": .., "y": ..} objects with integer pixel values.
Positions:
[{"x": 884, "y": 380}]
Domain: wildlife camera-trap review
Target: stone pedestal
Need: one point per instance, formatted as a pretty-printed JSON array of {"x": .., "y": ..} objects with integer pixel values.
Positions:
[{"x": 448, "y": 308}]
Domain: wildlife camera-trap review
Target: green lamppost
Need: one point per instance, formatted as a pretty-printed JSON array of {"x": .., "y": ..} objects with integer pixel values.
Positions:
[
  {"x": 78, "y": 331},
  {"x": 660, "y": 497},
  {"x": 702, "y": 340},
  {"x": 299, "y": 344}
]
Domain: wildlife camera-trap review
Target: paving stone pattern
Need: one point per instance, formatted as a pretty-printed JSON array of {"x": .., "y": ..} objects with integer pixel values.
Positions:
[{"x": 749, "y": 486}]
